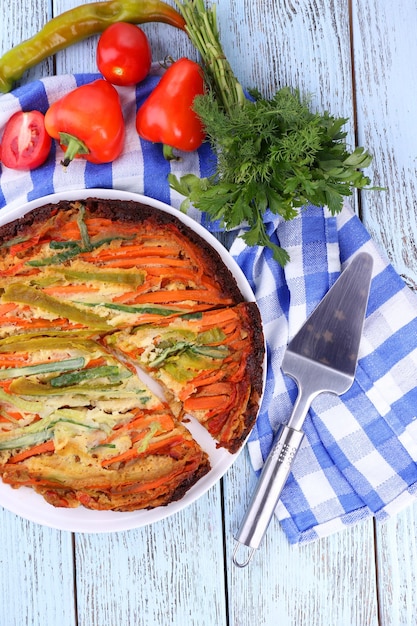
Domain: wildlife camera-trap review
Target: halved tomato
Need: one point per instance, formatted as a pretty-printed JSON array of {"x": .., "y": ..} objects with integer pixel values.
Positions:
[{"x": 25, "y": 144}]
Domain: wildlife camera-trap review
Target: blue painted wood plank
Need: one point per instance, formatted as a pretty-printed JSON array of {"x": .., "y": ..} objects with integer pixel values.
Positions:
[
  {"x": 168, "y": 573},
  {"x": 386, "y": 78},
  {"x": 330, "y": 581},
  {"x": 172, "y": 572},
  {"x": 36, "y": 574},
  {"x": 397, "y": 579}
]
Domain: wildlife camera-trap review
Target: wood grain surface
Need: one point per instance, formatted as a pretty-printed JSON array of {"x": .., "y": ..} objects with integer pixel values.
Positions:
[{"x": 358, "y": 60}]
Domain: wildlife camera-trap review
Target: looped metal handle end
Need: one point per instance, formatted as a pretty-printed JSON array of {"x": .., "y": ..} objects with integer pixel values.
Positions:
[{"x": 246, "y": 562}]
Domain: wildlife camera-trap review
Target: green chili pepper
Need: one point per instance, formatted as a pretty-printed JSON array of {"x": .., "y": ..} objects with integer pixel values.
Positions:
[
  {"x": 78, "y": 24},
  {"x": 39, "y": 340},
  {"x": 125, "y": 277},
  {"x": 63, "y": 245},
  {"x": 40, "y": 431},
  {"x": 111, "y": 372},
  {"x": 56, "y": 259},
  {"x": 71, "y": 250},
  {"x": 23, "y": 294},
  {"x": 26, "y": 440},
  {"x": 20, "y": 403},
  {"x": 140, "y": 308},
  {"x": 25, "y": 387},
  {"x": 42, "y": 368},
  {"x": 85, "y": 237}
]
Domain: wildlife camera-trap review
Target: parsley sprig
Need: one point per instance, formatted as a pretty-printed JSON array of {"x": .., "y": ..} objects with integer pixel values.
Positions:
[{"x": 274, "y": 154}]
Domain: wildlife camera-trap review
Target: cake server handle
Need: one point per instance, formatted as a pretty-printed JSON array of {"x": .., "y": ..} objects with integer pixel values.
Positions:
[{"x": 267, "y": 492}]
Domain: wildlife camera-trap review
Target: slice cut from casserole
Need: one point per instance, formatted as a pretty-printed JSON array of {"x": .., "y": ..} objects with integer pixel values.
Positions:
[
  {"x": 210, "y": 362},
  {"x": 80, "y": 427}
]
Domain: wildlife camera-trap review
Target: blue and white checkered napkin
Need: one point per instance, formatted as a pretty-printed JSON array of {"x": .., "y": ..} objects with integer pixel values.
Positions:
[
  {"x": 359, "y": 456},
  {"x": 141, "y": 168}
]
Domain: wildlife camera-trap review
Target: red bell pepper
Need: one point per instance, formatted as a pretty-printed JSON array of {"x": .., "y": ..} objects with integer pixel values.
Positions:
[
  {"x": 88, "y": 122},
  {"x": 167, "y": 115}
]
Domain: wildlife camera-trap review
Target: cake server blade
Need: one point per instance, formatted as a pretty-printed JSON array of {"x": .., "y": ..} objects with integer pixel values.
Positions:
[{"x": 322, "y": 357}]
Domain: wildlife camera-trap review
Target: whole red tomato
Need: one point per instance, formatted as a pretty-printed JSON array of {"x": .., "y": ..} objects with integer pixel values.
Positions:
[
  {"x": 124, "y": 54},
  {"x": 25, "y": 143}
]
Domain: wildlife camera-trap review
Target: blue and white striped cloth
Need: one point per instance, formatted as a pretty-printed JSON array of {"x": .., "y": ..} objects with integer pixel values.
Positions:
[{"x": 359, "y": 456}]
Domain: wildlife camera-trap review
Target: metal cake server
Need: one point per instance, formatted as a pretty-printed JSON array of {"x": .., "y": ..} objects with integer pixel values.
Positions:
[{"x": 322, "y": 357}]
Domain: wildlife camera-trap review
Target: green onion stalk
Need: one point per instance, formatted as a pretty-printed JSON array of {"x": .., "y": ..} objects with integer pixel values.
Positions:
[{"x": 201, "y": 27}]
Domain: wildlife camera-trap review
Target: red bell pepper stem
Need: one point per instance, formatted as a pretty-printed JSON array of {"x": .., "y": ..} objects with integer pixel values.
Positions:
[
  {"x": 73, "y": 145},
  {"x": 168, "y": 152}
]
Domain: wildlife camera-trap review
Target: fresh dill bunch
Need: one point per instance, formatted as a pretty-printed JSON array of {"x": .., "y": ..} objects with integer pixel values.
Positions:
[{"x": 274, "y": 154}]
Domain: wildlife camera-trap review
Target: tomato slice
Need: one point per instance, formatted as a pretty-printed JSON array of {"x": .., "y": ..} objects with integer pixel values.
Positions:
[{"x": 25, "y": 144}]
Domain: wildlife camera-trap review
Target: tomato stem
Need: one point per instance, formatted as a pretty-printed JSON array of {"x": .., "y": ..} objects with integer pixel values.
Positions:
[{"x": 73, "y": 147}]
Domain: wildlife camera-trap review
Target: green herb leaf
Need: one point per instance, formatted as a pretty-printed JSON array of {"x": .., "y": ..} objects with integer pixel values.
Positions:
[{"x": 274, "y": 154}]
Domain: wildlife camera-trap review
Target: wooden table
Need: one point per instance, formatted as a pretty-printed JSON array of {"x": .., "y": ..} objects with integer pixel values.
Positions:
[{"x": 358, "y": 59}]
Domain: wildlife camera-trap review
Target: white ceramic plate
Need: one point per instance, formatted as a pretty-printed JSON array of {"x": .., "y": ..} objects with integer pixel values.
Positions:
[{"x": 28, "y": 504}]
